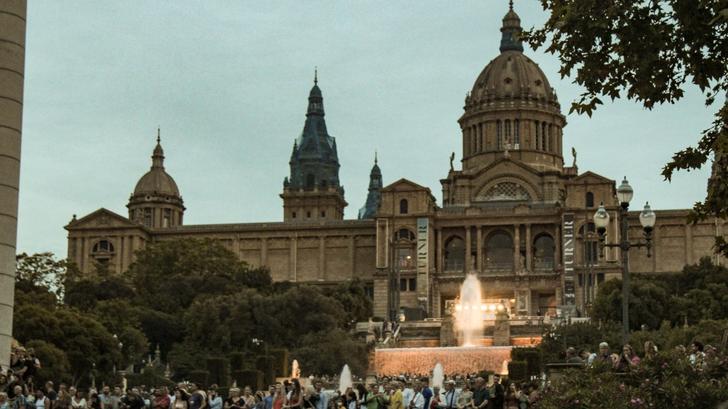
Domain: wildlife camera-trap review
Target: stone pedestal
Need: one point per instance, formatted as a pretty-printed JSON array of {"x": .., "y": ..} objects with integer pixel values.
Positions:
[
  {"x": 502, "y": 330},
  {"x": 448, "y": 337}
]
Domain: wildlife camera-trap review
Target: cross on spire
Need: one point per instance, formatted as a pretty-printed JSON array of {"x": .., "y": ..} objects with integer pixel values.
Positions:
[
  {"x": 510, "y": 4},
  {"x": 315, "y": 75},
  {"x": 159, "y": 139}
]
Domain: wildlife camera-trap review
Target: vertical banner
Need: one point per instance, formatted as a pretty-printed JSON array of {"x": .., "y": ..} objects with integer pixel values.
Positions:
[
  {"x": 568, "y": 259},
  {"x": 423, "y": 282}
]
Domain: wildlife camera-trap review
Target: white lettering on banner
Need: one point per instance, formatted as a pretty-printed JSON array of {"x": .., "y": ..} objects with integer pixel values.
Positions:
[
  {"x": 568, "y": 259},
  {"x": 422, "y": 257}
]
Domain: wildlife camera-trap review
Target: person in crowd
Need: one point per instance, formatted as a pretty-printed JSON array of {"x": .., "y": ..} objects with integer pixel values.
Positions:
[
  {"x": 697, "y": 354},
  {"x": 19, "y": 402},
  {"x": 77, "y": 399},
  {"x": 407, "y": 393},
  {"x": 587, "y": 356},
  {"x": 396, "y": 397},
  {"x": 572, "y": 357},
  {"x": 94, "y": 402},
  {"x": 268, "y": 399},
  {"x": 522, "y": 395},
  {"x": 351, "y": 400},
  {"x": 511, "y": 399},
  {"x": 4, "y": 381},
  {"x": 197, "y": 397},
  {"x": 627, "y": 359},
  {"x": 248, "y": 397},
  {"x": 279, "y": 397},
  {"x": 133, "y": 399},
  {"x": 63, "y": 398},
  {"x": 322, "y": 401},
  {"x": 41, "y": 401},
  {"x": 417, "y": 401},
  {"x": 499, "y": 393},
  {"x": 449, "y": 396},
  {"x": 435, "y": 399},
  {"x": 161, "y": 399},
  {"x": 465, "y": 398},
  {"x": 481, "y": 396},
  {"x": 295, "y": 398},
  {"x": 181, "y": 398},
  {"x": 426, "y": 391},
  {"x": 650, "y": 350},
  {"x": 4, "y": 402},
  {"x": 214, "y": 400},
  {"x": 605, "y": 357},
  {"x": 234, "y": 401},
  {"x": 50, "y": 393},
  {"x": 105, "y": 397}
]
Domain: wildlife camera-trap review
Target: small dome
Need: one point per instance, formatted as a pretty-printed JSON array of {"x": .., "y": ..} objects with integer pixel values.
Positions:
[
  {"x": 156, "y": 182},
  {"x": 512, "y": 75}
]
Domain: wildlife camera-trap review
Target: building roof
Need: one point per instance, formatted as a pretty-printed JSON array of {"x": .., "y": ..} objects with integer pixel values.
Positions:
[{"x": 157, "y": 181}]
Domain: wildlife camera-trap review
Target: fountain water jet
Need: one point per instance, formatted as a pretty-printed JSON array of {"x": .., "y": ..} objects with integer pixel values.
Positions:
[
  {"x": 438, "y": 376},
  {"x": 295, "y": 370},
  {"x": 345, "y": 381},
  {"x": 469, "y": 314}
]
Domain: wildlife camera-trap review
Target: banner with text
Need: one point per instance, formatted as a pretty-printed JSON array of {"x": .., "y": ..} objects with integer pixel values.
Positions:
[{"x": 568, "y": 259}]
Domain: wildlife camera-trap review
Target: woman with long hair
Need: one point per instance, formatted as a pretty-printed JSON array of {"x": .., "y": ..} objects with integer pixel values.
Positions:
[
  {"x": 234, "y": 401},
  {"x": 180, "y": 399},
  {"x": 627, "y": 359},
  {"x": 279, "y": 397},
  {"x": 296, "y": 397}
]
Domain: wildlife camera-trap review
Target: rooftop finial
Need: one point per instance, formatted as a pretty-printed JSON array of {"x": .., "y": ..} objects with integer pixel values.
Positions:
[
  {"x": 510, "y": 4},
  {"x": 375, "y": 156},
  {"x": 159, "y": 139},
  {"x": 315, "y": 75}
]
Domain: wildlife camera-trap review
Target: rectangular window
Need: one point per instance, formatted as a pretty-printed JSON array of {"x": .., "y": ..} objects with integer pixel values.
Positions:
[
  {"x": 413, "y": 284},
  {"x": 167, "y": 220},
  {"x": 402, "y": 284},
  {"x": 148, "y": 218}
]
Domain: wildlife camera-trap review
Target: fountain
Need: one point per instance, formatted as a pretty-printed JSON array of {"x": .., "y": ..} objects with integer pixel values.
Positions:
[
  {"x": 469, "y": 312},
  {"x": 295, "y": 370},
  {"x": 438, "y": 376},
  {"x": 476, "y": 351},
  {"x": 345, "y": 381}
]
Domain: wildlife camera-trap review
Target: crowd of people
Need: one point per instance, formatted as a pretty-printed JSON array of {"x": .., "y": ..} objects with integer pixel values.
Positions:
[
  {"x": 628, "y": 358},
  {"x": 17, "y": 389}
]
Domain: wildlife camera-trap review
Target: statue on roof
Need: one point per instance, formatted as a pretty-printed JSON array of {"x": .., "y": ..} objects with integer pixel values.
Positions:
[{"x": 452, "y": 159}]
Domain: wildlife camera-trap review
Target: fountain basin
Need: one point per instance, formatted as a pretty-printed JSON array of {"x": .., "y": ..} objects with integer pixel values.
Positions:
[{"x": 454, "y": 360}]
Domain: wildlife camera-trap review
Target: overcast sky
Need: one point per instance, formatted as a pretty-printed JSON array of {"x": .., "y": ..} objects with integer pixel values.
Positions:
[{"x": 228, "y": 82}]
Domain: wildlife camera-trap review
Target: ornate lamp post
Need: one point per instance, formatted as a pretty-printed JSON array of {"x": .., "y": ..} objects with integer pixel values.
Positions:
[{"x": 647, "y": 220}]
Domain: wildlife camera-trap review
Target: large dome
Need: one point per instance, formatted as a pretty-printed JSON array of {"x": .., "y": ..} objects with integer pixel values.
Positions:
[
  {"x": 157, "y": 182},
  {"x": 514, "y": 77}
]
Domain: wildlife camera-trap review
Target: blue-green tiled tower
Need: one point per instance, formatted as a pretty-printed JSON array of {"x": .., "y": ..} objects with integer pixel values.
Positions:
[
  {"x": 313, "y": 191},
  {"x": 369, "y": 211}
]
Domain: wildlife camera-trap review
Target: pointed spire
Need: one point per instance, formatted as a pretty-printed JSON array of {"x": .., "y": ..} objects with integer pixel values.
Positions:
[
  {"x": 315, "y": 75},
  {"x": 375, "y": 157},
  {"x": 511, "y": 31},
  {"x": 158, "y": 154}
]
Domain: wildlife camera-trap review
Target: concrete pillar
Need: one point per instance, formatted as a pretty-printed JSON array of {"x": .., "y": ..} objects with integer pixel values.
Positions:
[{"x": 12, "y": 62}]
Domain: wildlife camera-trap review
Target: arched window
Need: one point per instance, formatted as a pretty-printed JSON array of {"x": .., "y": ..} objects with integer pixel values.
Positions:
[
  {"x": 544, "y": 137},
  {"x": 499, "y": 135},
  {"x": 403, "y": 206},
  {"x": 405, "y": 234},
  {"x": 455, "y": 254},
  {"x": 310, "y": 181},
  {"x": 499, "y": 251},
  {"x": 103, "y": 246},
  {"x": 508, "y": 129},
  {"x": 516, "y": 135},
  {"x": 537, "y": 134},
  {"x": 543, "y": 252},
  {"x": 589, "y": 199},
  {"x": 505, "y": 191}
]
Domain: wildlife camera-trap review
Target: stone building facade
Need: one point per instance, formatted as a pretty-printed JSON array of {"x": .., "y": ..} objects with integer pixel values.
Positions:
[{"x": 513, "y": 213}]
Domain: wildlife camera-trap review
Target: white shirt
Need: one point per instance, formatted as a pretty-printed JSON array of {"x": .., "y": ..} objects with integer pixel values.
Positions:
[
  {"x": 407, "y": 394},
  {"x": 417, "y": 402}
]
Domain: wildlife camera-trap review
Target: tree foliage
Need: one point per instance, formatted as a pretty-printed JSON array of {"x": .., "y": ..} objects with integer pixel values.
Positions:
[{"x": 649, "y": 51}]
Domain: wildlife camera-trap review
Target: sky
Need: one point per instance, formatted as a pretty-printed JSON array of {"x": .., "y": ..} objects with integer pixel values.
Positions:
[{"x": 227, "y": 82}]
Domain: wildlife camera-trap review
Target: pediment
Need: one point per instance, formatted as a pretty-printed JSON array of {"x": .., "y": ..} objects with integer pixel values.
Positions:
[
  {"x": 404, "y": 185},
  {"x": 505, "y": 165},
  {"x": 591, "y": 178},
  {"x": 101, "y": 218}
]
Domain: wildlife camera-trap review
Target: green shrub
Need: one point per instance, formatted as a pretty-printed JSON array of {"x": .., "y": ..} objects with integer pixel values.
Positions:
[
  {"x": 282, "y": 366},
  {"x": 199, "y": 377},
  {"x": 236, "y": 361},
  {"x": 252, "y": 378},
  {"x": 518, "y": 371},
  {"x": 266, "y": 365}
]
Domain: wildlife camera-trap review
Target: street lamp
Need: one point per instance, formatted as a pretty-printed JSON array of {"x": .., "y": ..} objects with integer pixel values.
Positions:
[{"x": 647, "y": 220}]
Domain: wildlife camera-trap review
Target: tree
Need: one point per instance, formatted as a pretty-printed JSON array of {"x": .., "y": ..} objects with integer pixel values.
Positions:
[
  {"x": 649, "y": 51},
  {"x": 648, "y": 303},
  {"x": 357, "y": 304},
  {"x": 54, "y": 362},
  {"x": 43, "y": 270},
  {"x": 326, "y": 352}
]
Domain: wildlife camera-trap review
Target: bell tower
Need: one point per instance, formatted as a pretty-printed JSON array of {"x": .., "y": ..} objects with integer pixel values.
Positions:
[{"x": 312, "y": 191}]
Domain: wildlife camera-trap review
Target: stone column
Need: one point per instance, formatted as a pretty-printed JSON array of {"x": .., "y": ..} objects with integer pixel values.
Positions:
[
  {"x": 688, "y": 243},
  {"x": 558, "y": 250},
  {"x": 438, "y": 242},
  {"x": 516, "y": 247},
  {"x": 479, "y": 250},
  {"x": 468, "y": 250},
  {"x": 12, "y": 62},
  {"x": 529, "y": 256}
]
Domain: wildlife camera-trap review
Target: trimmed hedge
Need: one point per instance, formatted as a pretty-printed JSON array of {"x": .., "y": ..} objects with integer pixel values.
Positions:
[
  {"x": 266, "y": 364},
  {"x": 237, "y": 359},
  {"x": 252, "y": 378},
  {"x": 281, "y": 364},
  {"x": 199, "y": 378},
  {"x": 218, "y": 368},
  {"x": 518, "y": 371}
]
